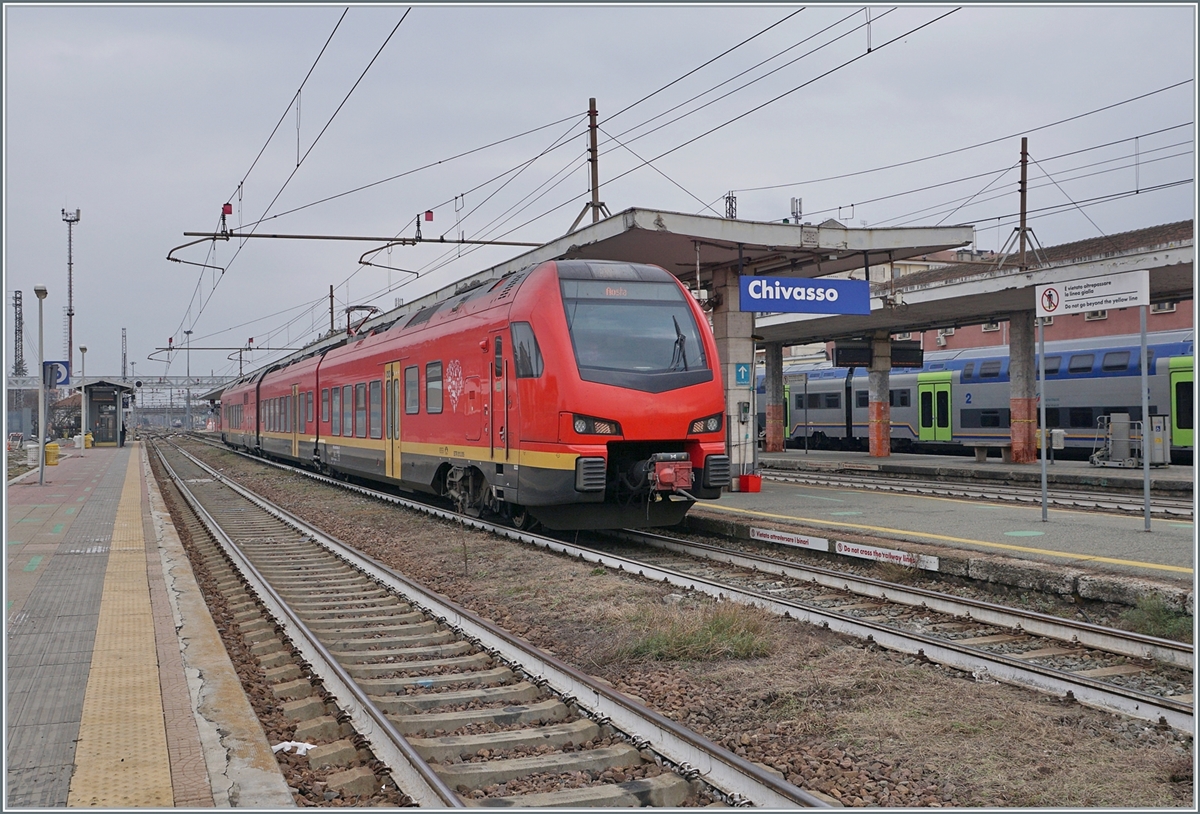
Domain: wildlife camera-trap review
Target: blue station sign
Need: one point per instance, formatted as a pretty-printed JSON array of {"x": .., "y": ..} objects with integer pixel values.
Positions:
[{"x": 805, "y": 296}]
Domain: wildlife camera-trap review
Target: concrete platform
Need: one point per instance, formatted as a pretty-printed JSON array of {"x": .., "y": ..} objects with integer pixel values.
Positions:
[
  {"x": 118, "y": 690},
  {"x": 1088, "y": 553}
]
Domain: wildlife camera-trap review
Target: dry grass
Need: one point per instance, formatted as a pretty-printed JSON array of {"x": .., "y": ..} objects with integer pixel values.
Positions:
[{"x": 693, "y": 632}]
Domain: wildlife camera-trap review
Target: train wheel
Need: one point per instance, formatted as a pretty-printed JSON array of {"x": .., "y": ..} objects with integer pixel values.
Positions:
[{"x": 520, "y": 517}]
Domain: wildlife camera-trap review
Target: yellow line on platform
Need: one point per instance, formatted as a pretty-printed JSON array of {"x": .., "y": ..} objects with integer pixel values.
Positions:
[
  {"x": 944, "y": 538},
  {"x": 121, "y": 759}
]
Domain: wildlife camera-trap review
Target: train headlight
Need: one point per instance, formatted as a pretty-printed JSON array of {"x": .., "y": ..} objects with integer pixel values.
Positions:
[
  {"x": 710, "y": 423},
  {"x": 586, "y": 425}
]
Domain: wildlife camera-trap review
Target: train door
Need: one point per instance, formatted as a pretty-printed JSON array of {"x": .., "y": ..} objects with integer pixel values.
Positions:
[
  {"x": 498, "y": 400},
  {"x": 294, "y": 416},
  {"x": 393, "y": 401},
  {"x": 933, "y": 407},
  {"x": 1183, "y": 389}
]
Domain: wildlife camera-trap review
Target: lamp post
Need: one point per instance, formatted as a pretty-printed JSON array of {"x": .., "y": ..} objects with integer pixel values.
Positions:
[
  {"x": 40, "y": 291},
  {"x": 83, "y": 414},
  {"x": 188, "y": 409}
]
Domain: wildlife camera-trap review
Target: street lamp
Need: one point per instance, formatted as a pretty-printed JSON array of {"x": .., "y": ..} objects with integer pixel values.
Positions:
[
  {"x": 188, "y": 409},
  {"x": 40, "y": 291},
  {"x": 83, "y": 420}
]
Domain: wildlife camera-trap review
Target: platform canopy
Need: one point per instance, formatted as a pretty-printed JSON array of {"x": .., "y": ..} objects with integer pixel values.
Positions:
[{"x": 671, "y": 240}]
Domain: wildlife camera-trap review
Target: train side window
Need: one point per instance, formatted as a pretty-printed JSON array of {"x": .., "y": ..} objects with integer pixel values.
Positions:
[
  {"x": 412, "y": 397},
  {"x": 525, "y": 349},
  {"x": 433, "y": 385},
  {"x": 309, "y": 409},
  {"x": 336, "y": 428},
  {"x": 1053, "y": 417},
  {"x": 1081, "y": 363},
  {"x": 324, "y": 405},
  {"x": 832, "y": 401},
  {"x": 376, "y": 409},
  {"x": 943, "y": 408},
  {"x": 1184, "y": 392},
  {"x": 348, "y": 410},
  {"x": 1137, "y": 361},
  {"x": 1115, "y": 360},
  {"x": 926, "y": 397},
  {"x": 288, "y": 402},
  {"x": 900, "y": 398},
  {"x": 360, "y": 410},
  {"x": 862, "y": 398},
  {"x": 968, "y": 370},
  {"x": 1053, "y": 363},
  {"x": 989, "y": 369},
  {"x": 1079, "y": 416},
  {"x": 499, "y": 357}
]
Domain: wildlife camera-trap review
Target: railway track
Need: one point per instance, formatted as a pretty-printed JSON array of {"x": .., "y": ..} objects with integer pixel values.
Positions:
[
  {"x": 1127, "y": 503},
  {"x": 1138, "y": 676},
  {"x": 458, "y": 711},
  {"x": 1128, "y": 673}
]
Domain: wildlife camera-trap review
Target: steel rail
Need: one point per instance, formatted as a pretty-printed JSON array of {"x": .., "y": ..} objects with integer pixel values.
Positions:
[
  {"x": 696, "y": 756},
  {"x": 1163, "y": 507},
  {"x": 411, "y": 772},
  {"x": 1085, "y": 634}
]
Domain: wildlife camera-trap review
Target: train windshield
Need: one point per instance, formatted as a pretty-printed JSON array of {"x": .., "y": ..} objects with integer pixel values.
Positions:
[{"x": 634, "y": 333}]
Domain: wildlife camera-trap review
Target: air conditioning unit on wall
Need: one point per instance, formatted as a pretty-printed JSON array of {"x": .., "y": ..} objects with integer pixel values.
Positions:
[{"x": 941, "y": 340}]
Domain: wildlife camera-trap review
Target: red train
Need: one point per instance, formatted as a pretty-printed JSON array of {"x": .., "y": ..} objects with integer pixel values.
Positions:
[{"x": 581, "y": 394}]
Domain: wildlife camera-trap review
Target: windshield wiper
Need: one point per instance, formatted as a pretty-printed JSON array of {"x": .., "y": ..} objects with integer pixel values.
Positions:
[{"x": 680, "y": 354}]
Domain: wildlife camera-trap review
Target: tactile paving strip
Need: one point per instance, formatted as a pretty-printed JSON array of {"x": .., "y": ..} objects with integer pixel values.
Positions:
[{"x": 121, "y": 759}]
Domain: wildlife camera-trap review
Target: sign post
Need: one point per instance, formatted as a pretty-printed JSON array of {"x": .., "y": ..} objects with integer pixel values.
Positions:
[{"x": 1122, "y": 290}]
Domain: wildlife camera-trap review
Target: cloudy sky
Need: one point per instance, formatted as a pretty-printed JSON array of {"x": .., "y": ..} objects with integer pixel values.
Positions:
[{"x": 323, "y": 120}]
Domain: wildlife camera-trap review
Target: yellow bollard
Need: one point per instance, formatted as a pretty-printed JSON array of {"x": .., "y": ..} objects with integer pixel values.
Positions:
[
  {"x": 51, "y": 454},
  {"x": 87, "y": 441}
]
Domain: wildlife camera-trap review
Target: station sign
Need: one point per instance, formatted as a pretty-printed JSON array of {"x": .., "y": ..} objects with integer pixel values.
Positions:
[
  {"x": 56, "y": 374},
  {"x": 793, "y": 295},
  {"x": 1094, "y": 294}
]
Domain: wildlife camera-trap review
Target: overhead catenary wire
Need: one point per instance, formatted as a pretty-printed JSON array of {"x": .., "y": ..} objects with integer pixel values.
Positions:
[
  {"x": 945, "y": 153},
  {"x": 292, "y": 175}
]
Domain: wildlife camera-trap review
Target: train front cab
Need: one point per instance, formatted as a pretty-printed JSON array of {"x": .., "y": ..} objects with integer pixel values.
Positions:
[
  {"x": 1183, "y": 388},
  {"x": 934, "y": 418}
]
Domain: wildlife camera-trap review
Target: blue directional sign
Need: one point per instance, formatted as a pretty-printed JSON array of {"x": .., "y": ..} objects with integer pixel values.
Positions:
[
  {"x": 805, "y": 296},
  {"x": 56, "y": 374},
  {"x": 741, "y": 374}
]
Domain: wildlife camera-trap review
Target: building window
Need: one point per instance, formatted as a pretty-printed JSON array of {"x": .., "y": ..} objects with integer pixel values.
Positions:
[
  {"x": 1092, "y": 316},
  {"x": 990, "y": 326},
  {"x": 945, "y": 332},
  {"x": 902, "y": 337},
  {"x": 1047, "y": 320},
  {"x": 1162, "y": 308}
]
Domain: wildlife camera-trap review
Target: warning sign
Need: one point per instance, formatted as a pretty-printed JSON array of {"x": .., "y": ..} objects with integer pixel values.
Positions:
[{"x": 1094, "y": 294}]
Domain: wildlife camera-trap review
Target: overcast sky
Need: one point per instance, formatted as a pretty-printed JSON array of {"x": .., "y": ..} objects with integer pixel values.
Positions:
[{"x": 148, "y": 119}]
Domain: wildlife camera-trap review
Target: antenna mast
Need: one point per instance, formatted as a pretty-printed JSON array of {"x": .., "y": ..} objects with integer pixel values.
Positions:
[
  {"x": 71, "y": 218},
  {"x": 19, "y": 338}
]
